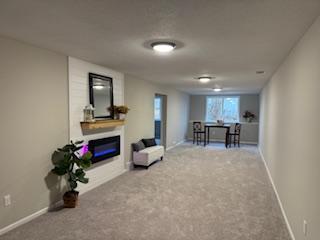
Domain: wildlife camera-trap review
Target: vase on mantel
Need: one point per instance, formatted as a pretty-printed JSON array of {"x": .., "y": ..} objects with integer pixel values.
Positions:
[
  {"x": 122, "y": 116},
  {"x": 119, "y": 116}
]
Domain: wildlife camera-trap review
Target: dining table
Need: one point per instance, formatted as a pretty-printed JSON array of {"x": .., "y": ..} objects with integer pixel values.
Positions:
[{"x": 207, "y": 128}]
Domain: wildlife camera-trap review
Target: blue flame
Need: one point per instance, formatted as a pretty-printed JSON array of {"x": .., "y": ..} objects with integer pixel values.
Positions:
[{"x": 111, "y": 150}]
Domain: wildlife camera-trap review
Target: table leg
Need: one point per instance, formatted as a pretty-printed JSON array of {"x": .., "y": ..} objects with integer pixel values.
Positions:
[
  {"x": 227, "y": 138},
  {"x": 205, "y": 136}
]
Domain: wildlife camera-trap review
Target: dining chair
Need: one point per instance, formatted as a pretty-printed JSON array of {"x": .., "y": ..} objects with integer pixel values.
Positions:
[
  {"x": 197, "y": 132},
  {"x": 234, "y": 137}
]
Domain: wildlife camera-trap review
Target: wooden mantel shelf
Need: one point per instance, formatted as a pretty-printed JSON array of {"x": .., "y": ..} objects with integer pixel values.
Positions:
[{"x": 101, "y": 124}]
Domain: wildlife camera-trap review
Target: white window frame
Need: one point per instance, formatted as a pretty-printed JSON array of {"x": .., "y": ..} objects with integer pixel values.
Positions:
[{"x": 223, "y": 96}]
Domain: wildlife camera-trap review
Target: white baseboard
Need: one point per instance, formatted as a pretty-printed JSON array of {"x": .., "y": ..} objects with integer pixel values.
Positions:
[
  {"x": 222, "y": 141},
  {"x": 278, "y": 197},
  {"x": 23, "y": 221},
  {"x": 129, "y": 166},
  {"x": 175, "y": 145},
  {"x": 54, "y": 205}
]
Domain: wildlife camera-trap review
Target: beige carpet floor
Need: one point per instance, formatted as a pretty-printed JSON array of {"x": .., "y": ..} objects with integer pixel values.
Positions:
[{"x": 195, "y": 193}]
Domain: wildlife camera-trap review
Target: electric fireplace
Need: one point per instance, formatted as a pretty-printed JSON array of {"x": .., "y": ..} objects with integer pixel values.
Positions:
[{"x": 104, "y": 148}]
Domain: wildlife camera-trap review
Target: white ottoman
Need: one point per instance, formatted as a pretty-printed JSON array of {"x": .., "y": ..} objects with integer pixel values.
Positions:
[{"x": 148, "y": 155}]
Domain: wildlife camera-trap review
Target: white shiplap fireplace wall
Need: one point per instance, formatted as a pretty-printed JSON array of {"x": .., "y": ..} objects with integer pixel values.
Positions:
[{"x": 78, "y": 98}]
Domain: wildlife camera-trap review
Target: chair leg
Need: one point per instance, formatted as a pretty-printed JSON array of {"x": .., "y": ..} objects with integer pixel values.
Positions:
[
  {"x": 194, "y": 136},
  {"x": 233, "y": 140}
]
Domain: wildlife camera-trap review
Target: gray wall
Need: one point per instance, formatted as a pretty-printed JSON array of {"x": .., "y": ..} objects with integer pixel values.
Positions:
[
  {"x": 290, "y": 130},
  {"x": 34, "y": 101},
  {"x": 139, "y": 96},
  {"x": 249, "y": 131},
  {"x": 34, "y": 122}
]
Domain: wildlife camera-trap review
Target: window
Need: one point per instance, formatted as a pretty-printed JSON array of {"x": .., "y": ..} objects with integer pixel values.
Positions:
[
  {"x": 157, "y": 109},
  {"x": 222, "y": 108}
]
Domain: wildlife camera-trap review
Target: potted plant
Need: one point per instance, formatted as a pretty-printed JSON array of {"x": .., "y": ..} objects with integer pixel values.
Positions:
[
  {"x": 119, "y": 112},
  {"x": 248, "y": 116},
  {"x": 68, "y": 161}
]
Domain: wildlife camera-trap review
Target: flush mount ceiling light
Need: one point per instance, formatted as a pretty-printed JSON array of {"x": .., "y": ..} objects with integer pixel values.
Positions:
[
  {"x": 217, "y": 89},
  {"x": 204, "y": 79},
  {"x": 163, "y": 47},
  {"x": 98, "y": 87}
]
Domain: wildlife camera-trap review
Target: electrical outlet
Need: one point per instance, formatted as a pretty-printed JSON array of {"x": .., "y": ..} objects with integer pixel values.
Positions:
[
  {"x": 305, "y": 227},
  {"x": 7, "y": 200}
]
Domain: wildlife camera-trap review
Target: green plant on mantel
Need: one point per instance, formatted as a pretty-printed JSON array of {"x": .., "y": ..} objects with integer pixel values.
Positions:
[
  {"x": 117, "y": 110},
  {"x": 67, "y": 161}
]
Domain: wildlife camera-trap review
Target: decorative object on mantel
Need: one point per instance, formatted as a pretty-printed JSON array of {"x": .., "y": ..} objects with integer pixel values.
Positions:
[
  {"x": 248, "y": 116},
  {"x": 220, "y": 122},
  {"x": 119, "y": 112},
  {"x": 71, "y": 160},
  {"x": 88, "y": 113}
]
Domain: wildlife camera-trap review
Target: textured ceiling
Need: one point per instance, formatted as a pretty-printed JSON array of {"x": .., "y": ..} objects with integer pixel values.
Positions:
[{"x": 229, "y": 39}]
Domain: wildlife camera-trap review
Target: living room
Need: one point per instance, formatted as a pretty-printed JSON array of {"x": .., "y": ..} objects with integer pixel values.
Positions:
[{"x": 214, "y": 65}]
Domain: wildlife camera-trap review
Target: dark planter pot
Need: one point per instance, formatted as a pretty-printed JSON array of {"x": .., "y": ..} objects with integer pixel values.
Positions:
[{"x": 70, "y": 199}]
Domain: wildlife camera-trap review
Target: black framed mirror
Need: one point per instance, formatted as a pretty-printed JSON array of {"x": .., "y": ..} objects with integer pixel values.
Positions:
[{"x": 101, "y": 95}]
